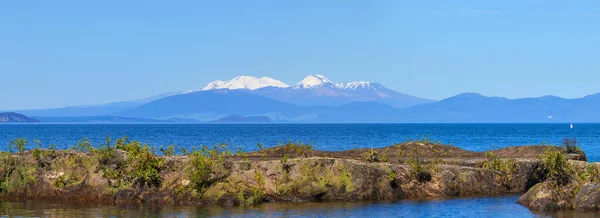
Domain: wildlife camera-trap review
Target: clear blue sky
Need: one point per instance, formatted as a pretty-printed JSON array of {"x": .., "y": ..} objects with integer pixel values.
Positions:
[{"x": 59, "y": 53}]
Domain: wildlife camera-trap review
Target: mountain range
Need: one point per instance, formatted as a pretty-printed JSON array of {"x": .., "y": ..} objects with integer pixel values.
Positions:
[{"x": 318, "y": 99}]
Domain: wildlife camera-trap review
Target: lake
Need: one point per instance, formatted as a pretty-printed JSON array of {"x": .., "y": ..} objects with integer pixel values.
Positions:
[{"x": 334, "y": 137}]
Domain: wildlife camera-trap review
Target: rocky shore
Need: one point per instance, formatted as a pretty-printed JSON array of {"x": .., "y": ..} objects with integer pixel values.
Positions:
[{"x": 126, "y": 172}]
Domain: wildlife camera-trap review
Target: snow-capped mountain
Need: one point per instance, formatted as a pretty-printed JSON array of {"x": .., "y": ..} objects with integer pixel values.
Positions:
[
  {"x": 245, "y": 82},
  {"x": 312, "y": 81},
  {"x": 318, "y": 90}
]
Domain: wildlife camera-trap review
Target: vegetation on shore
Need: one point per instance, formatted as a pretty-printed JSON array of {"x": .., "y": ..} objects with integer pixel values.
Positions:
[{"x": 124, "y": 170}]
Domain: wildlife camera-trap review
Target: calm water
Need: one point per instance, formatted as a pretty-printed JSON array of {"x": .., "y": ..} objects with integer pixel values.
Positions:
[
  {"x": 460, "y": 207},
  {"x": 476, "y": 137}
]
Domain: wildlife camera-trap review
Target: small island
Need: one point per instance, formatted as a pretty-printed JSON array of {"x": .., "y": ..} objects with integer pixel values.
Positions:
[
  {"x": 11, "y": 117},
  {"x": 243, "y": 119},
  {"x": 126, "y": 171}
]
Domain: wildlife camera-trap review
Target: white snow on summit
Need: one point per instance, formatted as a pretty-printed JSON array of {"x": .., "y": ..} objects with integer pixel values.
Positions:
[
  {"x": 355, "y": 85},
  {"x": 245, "y": 82},
  {"x": 312, "y": 81}
]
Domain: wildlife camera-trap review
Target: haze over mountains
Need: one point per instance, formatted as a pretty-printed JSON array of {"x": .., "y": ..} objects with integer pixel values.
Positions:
[{"x": 318, "y": 99}]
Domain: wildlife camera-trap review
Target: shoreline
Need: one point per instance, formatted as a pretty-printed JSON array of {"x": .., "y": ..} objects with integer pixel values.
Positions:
[{"x": 127, "y": 172}]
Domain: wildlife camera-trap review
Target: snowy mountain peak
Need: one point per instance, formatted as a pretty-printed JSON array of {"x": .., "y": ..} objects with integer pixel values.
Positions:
[
  {"x": 312, "y": 81},
  {"x": 245, "y": 82},
  {"x": 355, "y": 85}
]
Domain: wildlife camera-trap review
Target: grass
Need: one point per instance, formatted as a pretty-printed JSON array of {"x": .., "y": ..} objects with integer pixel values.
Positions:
[{"x": 494, "y": 163}]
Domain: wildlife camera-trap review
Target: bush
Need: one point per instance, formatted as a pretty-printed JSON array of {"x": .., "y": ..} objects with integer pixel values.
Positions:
[
  {"x": 371, "y": 156},
  {"x": 556, "y": 167},
  {"x": 169, "y": 151},
  {"x": 146, "y": 169},
  {"x": 207, "y": 166},
  {"x": 83, "y": 145},
  {"x": 572, "y": 145},
  {"x": 19, "y": 143},
  {"x": 141, "y": 168}
]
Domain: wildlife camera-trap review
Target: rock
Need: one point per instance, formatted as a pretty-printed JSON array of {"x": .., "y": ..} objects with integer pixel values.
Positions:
[
  {"x": 588, "y": 198},
  {"x": 299, "y": 179},
  {"x": 548, "y": 196},
  {"x": 54, "y": 175}
]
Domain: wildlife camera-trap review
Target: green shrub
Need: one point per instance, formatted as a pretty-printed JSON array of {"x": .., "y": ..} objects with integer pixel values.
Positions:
[
  {"x": 385, "y": 157},
  {"x": 83, "y": 145},
  {"x": 556, "y": 167},
  {"x": 300, "y": 149},
  {"x": 141, "y": 168},
  {"x": 371, "y": 156},
  {"x": 146, "y": 169},
  {"x": 169, "y": 151},
  {"x": 391, "y": 175},
  {"x": 19, "y": 143},
  {"x": 208, "y": 166},
  {"x": 36, "y": 152}
]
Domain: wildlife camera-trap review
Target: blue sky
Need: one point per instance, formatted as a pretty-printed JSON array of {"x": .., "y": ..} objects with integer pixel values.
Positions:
[{"x": 59, "y": 53}]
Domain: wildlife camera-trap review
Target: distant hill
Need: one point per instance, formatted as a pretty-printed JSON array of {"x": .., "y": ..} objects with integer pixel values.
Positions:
[
  {"x": 99, "y": 119},
  {"x": 93, "y": 110},
  {"x": 476, "y": 108},
  {"x": 243, "y": 119},
  {"x": 11, "y": 117},
  {"x": 212, "y": 105}
]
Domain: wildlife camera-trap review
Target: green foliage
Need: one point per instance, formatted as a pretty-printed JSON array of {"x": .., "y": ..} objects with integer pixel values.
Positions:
[
  {"x": 385, "y": 157},
  {"x": 242, "y": 154},
  {"x": 556, "y": 167},
  {"x": 593, "y": 172},
  {"x": 169, "y": 151},
  {"x": 15, "y": 176},
  {"x": 370, "y": 156},
  {"x": 257, "y": 193},
  {"x": 83, "y": 145},
  {"x": 419, "y": 171},
  {"x": 494, "y": 163},
  {"x": 60, "y": 182},
  {"x": 141, "y": 168},
  {"x": 300, "y": 149},
  {"x": 208, "y": 166},
  {"x": 183, "y": 151},
  {"x": 19, "y": 143},
  {"x": 36, "y": 152},
  {"x": 146, "y": 169},
  {"x": 391, "y": 175},
  {"x": 284, "y": 159},
  {"x": 346, "y": 180}
]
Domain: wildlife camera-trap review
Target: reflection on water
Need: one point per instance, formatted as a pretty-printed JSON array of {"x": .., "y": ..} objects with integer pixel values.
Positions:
[{"x": 504, "y": 206}]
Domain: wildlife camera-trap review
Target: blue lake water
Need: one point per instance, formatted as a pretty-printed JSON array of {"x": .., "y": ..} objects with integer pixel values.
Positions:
[
  {"x": 476, "y": 137},
  {"x": 502, "y": 206}
]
